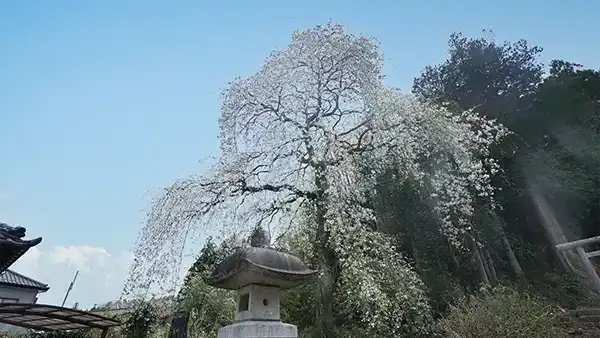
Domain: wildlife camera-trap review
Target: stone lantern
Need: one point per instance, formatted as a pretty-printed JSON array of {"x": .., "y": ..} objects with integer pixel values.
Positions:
[{"x": 258, "y": 275}]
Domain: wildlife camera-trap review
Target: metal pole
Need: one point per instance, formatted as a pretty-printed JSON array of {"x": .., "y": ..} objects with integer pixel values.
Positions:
[{"x": 70, "y": 288}]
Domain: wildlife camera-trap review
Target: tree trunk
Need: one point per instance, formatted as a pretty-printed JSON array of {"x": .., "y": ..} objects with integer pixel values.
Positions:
[
  {"x": 478, "y": 261},
  {"x": 325, "y": 314},
  {"x": 458, "y": 271},
  {"x": 325, "y": 310},
  {"x": 512, "y": 259},
  {"x": 486, "y": 265},
  {"x": 327, "y": 265},
  {"x": 492, "y": 269},
  {"x": 550, "y": 224}
]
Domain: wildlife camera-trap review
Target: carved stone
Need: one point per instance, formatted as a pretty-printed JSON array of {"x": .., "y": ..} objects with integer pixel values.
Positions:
[{"x": 259, "y": 274}]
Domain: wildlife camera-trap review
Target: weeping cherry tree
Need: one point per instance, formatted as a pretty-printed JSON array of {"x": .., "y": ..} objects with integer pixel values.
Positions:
[{"x": 294, "y": 136}]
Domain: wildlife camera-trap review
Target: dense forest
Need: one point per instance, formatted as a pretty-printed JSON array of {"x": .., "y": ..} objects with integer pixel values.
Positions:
[{"x": 428, "y": 213}]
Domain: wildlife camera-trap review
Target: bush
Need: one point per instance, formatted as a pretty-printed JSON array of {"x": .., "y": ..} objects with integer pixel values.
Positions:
[
  {"x": 210, "y": 308},
  {"x": 9, "y": 334},
  {"x": 501, "y": 312},
  {"x": 565, "y": 290},
  {"x": 49, "y": 334},
  {"x": 62, "y": 334},
  {"x": 141, "y": 322}
]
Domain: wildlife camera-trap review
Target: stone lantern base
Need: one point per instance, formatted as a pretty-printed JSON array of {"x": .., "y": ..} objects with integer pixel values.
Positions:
[{"x": 258, "y": 329}]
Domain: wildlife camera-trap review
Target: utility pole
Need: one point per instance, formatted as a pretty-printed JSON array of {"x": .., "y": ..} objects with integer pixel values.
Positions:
[{"x": 70, "y": 288}]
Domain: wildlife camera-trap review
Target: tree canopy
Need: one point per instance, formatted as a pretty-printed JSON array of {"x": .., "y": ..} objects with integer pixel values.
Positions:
[{"x": 403, "y": 202}]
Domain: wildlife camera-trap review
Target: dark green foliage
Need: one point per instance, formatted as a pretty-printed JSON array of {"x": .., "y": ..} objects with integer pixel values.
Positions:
[
  {"x": 62, "y": 334},
  {"x": 556, "y": 146},
  {"x": 298, "y": 306},
  {"x": 210, "y": 255},
  {"x": 259, "y": 238},
  {"x": 480, "y": 72},
  {"x": 83, "y": 333},
  {"x": 404, "y": 212},
  {"x": 208, "y": 308},
  {"x": 141, "y": 322},
  {"x": 556, "y": 143},
  {"x": 562, "y": 289}
]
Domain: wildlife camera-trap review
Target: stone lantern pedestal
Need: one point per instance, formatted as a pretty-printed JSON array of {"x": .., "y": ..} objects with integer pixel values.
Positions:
[{"x": 259, "y": 275}]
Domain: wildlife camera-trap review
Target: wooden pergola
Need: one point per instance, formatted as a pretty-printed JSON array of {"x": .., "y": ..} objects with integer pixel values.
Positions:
[{"x": 43, "y": 317}]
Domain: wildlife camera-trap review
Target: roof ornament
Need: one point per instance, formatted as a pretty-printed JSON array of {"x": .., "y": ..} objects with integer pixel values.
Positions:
[{"x": 13, "y": 245}]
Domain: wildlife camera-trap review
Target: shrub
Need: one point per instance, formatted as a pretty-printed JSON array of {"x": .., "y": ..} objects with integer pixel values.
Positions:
[
  {"x": 209, "y": 308},
  {"x": 565, "y": 290},
  {"x": 141, "y": 322},
  {"x": 501, "y": 312},
  {"x": 9, "y": 334},
  {"x": 62, "y": 334},
  {"x": 49, "y": 334}
]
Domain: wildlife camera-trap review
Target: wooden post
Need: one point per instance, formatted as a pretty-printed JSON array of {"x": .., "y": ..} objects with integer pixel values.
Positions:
[
  {"x": 589, "y": 268},
  {"x": 104, "y": 333},
  {"x": 585, "y": 257}
]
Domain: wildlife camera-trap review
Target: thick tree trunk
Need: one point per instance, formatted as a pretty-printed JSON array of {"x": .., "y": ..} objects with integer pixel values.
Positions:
[
  {"x": 512, "y": 259},
  {"x": 478, "y": 261},
  {"x": 326, "y": 289},
  {"x": 327, "y": 265},
  {"x": 550, "y": 224},
  {"x": 486, "y": 265},
  {"x": 325, "y": 314},
  {"x": 492, "y": 269},
  {"x": 458, "y": 271}
]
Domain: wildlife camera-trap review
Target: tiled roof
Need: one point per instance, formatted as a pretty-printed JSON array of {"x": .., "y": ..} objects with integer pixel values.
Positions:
[{"x": 12, "y": 278}]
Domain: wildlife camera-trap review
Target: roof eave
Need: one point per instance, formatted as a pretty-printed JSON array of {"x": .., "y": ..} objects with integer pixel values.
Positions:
[
  {"x": 285, "y": 279},
  {"x": 18, "y": 286}
]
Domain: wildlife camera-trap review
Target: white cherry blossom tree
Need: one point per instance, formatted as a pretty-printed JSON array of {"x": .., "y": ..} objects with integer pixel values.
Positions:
[{"x": 296, "y": 135}]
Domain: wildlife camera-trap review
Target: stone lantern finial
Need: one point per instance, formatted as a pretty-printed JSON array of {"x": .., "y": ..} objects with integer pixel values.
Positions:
[
  {"x": 259, "y": 238},
  {"x": 259, "y": 274}
]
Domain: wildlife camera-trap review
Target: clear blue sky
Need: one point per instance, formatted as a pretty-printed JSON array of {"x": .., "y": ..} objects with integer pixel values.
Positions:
[{"x": 102, "y": 101}]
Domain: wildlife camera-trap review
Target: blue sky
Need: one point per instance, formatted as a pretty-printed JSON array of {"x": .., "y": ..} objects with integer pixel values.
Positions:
[{"x": 102, "y": 102}]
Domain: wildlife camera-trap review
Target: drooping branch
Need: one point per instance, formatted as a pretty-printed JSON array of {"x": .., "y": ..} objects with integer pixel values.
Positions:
[{"x": 277, "y": 188}]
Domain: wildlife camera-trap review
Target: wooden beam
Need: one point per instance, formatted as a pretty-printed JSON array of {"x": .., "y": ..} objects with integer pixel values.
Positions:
[
  {"x": 589, "y": 268},
  {"x": 579, "y": 243},
  {"x": 593, "y": 254}
]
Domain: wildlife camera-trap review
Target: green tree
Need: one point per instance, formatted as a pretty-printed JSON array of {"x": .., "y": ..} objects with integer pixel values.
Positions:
[
  {"x": 563, "y": 131},
  {"x": 206, "y": 307},
  {"x": 479, "y": 72},
  {"x": 549, "y": 177},
  {"x": 499, "y": 81},
  {"x": 141, "y": 322}
]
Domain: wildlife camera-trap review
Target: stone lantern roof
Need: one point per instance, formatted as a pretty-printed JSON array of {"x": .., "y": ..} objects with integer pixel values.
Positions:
[{"x": 262, "y": 266}]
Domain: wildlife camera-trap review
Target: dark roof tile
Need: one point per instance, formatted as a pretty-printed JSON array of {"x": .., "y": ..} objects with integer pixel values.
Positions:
[{"x": 12, "y": 278}]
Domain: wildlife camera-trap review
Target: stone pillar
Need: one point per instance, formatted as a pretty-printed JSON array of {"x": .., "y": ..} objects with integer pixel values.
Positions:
[
  {"x": 258, "y": 275},
  {"x": 258, "y": 315}
]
